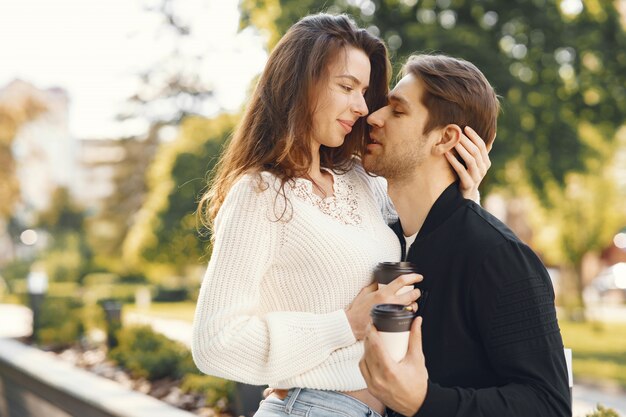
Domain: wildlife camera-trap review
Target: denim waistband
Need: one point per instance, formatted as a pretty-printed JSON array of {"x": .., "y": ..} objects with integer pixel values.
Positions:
[{"x": 331, "y": 400}]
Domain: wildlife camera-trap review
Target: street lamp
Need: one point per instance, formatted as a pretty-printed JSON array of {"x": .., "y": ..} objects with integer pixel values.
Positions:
[
  {"x": 37, "y": 282},
  {"x": 113, "y": 316}
]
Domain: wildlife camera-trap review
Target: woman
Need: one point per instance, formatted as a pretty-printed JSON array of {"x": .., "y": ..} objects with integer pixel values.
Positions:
[{"x": 299, "y": 227}]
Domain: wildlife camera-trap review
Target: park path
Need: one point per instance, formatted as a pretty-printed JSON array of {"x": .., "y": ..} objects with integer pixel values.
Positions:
[{"x": 15, "y": 321}]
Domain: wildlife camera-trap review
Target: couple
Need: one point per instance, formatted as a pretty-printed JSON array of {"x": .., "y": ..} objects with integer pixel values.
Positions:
[{"x": 299, "y": 224}]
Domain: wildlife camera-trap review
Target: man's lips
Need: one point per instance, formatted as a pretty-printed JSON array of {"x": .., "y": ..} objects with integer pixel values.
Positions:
[{"x": 347, "y": 125}]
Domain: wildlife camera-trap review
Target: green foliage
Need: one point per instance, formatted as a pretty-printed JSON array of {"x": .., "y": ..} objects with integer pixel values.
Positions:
[
  {"x": 169, "y": 294},
  {"x": 165, "y": 231},
  {"x": 68, "y": 257},
  {"x": 601, "y": 411},
  {"x": 147, "y": 354},
  {"x": 61, "y": 322},
  {"x": 216, "y": 390},
  {"x": 553, "y": 70},
  {"x": 63, "y": 215},
  {"x": 15, "y": 270}
]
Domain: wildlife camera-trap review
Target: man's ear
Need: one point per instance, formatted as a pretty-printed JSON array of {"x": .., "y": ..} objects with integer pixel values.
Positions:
[{"x": 449, "y": 136}]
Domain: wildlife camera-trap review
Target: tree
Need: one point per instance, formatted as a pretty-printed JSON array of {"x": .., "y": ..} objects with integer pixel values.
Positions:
[
  {"x": 165, "y": 234},
  {"x": 108, "y": 227},
  {"x": 554, "y": 65},
  {"x": 15, "y": 111},
  {"x": 68, "y": 256},
  {"x": 586, "y": 213}
]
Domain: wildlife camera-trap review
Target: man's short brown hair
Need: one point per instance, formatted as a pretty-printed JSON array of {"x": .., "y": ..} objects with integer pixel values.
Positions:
[{"x": 455, "y": 91}]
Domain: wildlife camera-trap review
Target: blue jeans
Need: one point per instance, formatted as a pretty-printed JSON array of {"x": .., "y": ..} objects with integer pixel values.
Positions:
[{"x": 303, "y": 402}]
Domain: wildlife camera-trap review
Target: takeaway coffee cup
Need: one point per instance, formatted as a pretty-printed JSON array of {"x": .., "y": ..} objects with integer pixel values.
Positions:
[
  {"x": 393, "y": 322},
  {"x": 386, "y": 272}
]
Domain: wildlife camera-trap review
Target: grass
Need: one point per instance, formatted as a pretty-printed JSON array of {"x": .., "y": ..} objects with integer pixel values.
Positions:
[
  {"x": 183, "y": 310},
  {"x": 598, "y": 349}
]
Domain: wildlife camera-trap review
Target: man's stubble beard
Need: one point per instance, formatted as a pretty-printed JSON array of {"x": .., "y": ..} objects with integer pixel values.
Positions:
[{"x": 397, "y": 165}]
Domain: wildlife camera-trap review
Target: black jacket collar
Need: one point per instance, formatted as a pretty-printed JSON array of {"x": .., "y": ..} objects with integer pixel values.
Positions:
[{"x": 449, "y": 200}]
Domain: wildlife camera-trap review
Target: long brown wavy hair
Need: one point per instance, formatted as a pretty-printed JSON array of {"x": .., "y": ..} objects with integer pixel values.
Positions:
[{"x": 275, "y": 132}]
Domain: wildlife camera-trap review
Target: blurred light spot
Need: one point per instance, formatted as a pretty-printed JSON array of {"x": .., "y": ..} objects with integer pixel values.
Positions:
[
  {"x": 620, "y": 240},
  {"x": 447, "y": 19},
  {"x": 521, "y": 71},
  {"x": 509, "y": 28},
  {"x": 528, "y": 122},
  {"x": 591, "y": 62},
  {"x": 426, "y": 16},
  {"x": 566, "y": 72},
  {"x": 620, "y": 274},
  {"x": 368, "y": 8},
  {"x": 409, "y": 3},
  {"x": 374, "y": 30},
  {"x": 394, "y": 41},
  {"x": 444, "y": 4},
  {"x": 28, "y": 237},
  {"x": 571, "y": 7},
  {"x": 591, "y": 97},
  {"x": 526, "y": 74},
  {"x": 168, "y": 133},
  {"x": 564, "y": 55},
  {"x": 507, "y": 43},
  {"x": 490, "y": 19},
  {"x": 519, "y": 51}
]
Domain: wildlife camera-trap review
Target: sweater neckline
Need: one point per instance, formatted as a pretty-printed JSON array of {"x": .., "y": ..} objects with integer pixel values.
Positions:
[
  {"x": 308, "y": 184},
  {"x": 342, "y": 206}
]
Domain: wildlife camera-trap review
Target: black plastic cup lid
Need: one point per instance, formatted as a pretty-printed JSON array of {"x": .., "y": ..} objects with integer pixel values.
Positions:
[
  {"x": 392, "y": 311},
  {"x": 399, "y": 266}
]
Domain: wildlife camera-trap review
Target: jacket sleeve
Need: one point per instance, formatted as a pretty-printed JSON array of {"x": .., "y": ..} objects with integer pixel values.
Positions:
[
  {"x": 512, "y": 307},
  {"x": 232, "y": 338}
]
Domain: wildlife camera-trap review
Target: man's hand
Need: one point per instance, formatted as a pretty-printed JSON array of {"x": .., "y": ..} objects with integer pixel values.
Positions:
[
  {"x": 400, "y": 386},
  {"x": 476, "y": 157}
]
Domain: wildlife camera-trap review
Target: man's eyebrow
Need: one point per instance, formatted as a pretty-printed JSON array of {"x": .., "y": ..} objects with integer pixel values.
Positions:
[
  {"x": 352, "y": 78},
  {"x": 398, "y": 99}
]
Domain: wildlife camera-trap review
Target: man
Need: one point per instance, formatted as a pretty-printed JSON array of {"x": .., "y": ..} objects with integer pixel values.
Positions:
[{"x": 487, "y": 342}]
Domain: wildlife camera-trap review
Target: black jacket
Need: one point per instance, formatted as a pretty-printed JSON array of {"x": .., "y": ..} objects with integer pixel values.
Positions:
[{"x": 490, "y": 333}]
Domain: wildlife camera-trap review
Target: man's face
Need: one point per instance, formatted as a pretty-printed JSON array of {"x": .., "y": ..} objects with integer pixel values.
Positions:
[{"x": 398, "y": 144}]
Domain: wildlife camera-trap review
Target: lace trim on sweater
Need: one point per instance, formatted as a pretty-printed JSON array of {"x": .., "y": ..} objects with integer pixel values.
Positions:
[{"x": 342, "y": 206}]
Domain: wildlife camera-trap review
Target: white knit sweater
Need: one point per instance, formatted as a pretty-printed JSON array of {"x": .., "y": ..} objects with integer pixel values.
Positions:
[{"x": 271, "y": 306}]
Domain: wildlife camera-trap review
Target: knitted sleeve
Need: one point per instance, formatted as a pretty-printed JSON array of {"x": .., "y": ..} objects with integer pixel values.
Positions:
[{"x": 232, "y": 338}]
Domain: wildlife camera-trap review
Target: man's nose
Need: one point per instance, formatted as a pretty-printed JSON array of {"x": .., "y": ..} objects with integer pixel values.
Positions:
[{"x": 375, "y": 119}]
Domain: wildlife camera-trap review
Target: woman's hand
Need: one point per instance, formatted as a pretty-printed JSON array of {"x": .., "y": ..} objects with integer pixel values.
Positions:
[
  {"x": 476, "y": 156},
  {"x": 358, "y": 312}
]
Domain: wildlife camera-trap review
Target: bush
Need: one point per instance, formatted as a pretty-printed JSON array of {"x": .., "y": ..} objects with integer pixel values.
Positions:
[
  {"x": 60, "y": 322},
  {"x": 150, "y": 355},
  {"x": 168, "y": 294},
  {"x": 217, "y": 391},
  {"x": 15, "y": 271},
  {"x": 600, "y": 411}
]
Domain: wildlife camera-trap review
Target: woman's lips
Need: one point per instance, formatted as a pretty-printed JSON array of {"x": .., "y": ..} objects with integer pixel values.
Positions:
[{"x": 347, "y": 126}]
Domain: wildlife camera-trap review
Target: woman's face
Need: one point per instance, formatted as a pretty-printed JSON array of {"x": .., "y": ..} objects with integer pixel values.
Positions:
[{"x": 340, "y": 100}]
